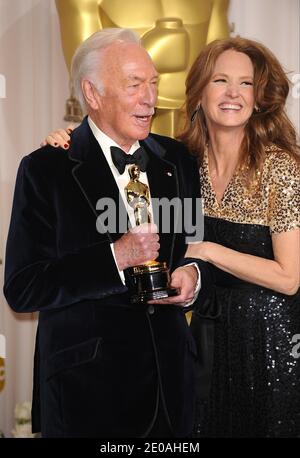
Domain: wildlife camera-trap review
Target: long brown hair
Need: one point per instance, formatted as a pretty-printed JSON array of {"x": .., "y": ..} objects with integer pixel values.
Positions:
[{"x": 269, "y": 125}]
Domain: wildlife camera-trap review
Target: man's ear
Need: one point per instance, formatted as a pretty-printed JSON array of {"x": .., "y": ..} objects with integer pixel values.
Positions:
[{"x": 90, "y": 94}]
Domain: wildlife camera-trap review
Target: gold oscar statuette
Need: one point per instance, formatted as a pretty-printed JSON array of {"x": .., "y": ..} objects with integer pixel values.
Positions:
[{"x": 150, "y": 280}]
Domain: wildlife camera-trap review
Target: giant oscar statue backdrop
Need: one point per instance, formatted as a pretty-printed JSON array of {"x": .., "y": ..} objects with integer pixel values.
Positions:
[{"x": 172, "y": 31}]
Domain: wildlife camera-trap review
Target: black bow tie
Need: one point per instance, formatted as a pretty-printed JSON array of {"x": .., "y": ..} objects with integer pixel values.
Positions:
[{"x": 120, "y": 158}]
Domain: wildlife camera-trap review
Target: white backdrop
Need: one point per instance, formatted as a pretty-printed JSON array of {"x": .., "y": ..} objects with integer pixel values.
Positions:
[
  {"x": 276, "y": 23},
  {"x": 33, "y": 68}
]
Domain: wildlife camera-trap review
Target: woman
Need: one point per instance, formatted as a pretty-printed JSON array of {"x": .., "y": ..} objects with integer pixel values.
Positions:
[{"x": 249, "y": 162}]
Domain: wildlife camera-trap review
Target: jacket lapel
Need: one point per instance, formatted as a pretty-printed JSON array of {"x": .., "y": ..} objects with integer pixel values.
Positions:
[{"x": 94, "y": 177}]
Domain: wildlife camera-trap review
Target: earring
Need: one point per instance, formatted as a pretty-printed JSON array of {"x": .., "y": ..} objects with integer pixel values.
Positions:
[
  {"x": 195, "y": 113},
  {"x": 256, "y": 108}
]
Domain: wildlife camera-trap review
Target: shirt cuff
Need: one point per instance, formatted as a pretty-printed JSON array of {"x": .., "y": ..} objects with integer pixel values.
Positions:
[
  {"x": 198, "y": 284},
  {"x": 121, "y": 273}
]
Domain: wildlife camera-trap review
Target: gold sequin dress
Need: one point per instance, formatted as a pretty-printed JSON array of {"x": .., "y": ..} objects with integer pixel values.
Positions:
[{"x": 254, "y": 359}]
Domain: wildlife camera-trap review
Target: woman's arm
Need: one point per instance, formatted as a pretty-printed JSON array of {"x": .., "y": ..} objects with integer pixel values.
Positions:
[{"x": 281, "y": 274}]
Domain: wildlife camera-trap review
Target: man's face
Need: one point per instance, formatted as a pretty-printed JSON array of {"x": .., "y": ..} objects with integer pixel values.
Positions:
[{"x": 129, "y": 82}]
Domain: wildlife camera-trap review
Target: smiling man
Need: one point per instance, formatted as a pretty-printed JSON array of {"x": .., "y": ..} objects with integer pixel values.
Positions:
[{"x": 104, "y": 367}]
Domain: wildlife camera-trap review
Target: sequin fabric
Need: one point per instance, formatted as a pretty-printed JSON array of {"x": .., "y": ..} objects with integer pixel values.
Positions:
[
  {"x": 275, "y": 203},
  {"x": 255, "y": 383}
]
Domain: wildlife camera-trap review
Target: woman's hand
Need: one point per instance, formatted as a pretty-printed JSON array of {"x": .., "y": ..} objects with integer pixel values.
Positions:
[{"x": 59, "y": 138}]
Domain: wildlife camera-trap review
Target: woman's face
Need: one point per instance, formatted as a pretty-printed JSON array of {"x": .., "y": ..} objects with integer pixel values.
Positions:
[{"x": 228, "y": 99}]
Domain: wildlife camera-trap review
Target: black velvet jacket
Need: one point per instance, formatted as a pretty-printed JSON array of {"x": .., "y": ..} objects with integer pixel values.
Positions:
[{"x": 101, "y": 365}]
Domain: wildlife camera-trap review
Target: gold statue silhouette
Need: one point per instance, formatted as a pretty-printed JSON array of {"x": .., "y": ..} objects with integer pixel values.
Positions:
[
  {"x": 172, "y": 31},
  {"x": 138, "y": 196}
]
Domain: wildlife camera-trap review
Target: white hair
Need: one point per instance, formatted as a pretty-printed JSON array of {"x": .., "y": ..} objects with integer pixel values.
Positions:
[{"x": 86, "y": 61}]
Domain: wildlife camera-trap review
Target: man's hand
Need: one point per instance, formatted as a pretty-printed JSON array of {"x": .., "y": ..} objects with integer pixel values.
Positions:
[
  {"x": 185, "y": 278},
  {"x": 137, "y": 246},
  {"x": 59, "y": 137}
]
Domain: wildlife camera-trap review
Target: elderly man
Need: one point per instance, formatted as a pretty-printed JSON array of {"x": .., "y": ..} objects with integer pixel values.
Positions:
[{"x": 103, "y": 366}]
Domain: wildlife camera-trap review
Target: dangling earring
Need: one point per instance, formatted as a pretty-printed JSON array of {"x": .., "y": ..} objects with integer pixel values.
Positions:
[
  {"x": 195, "y": 113},
  {"x": 256, "y": 108}
]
